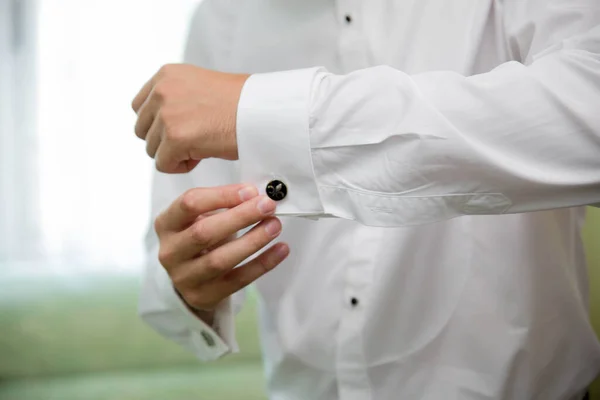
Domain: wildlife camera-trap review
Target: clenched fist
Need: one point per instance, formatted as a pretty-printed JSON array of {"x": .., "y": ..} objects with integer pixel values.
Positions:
[
  {"x": 198, "y": 248},
  {"x": 186, "y": 113}
]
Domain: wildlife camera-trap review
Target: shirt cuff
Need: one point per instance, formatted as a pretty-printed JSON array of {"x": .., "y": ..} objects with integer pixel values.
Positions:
[
  {"x": 208, "y": 342},
  {"x": 273, "y": 138}
]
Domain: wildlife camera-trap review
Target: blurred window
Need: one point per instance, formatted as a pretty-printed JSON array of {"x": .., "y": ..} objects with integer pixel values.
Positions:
[{"x": 74, "y": 180}]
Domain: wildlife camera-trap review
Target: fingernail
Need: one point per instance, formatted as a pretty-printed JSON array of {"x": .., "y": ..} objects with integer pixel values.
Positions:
[
  {"x": 247, "y": 193},
  {"x": 266, "y": 206},
  {"x": 273, "y": 227}
]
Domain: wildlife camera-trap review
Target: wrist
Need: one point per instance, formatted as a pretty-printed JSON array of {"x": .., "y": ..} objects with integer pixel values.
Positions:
[
  {"x": 207, "y": 316},
  {"x": 231, "y": 146}
]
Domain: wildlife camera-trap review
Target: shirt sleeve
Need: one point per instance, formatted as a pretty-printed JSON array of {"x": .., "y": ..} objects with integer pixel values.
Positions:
[{"x": 390, "y": 149}]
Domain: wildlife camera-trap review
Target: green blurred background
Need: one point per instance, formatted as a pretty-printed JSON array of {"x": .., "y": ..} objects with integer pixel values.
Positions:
[
  {"x": 79, "y": 338},
  {"x": 591, "y": 235}
]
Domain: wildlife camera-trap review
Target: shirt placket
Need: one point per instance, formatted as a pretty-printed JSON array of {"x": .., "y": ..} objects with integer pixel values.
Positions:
[
  {"x": 352, "y": 377},
  {"x": 352, "y": 373},
  {"x": 352, "y": 44}
]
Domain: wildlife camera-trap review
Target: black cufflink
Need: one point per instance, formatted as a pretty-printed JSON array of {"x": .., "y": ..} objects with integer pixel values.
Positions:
[
  {"x": 276, "y": 190},
  {"x": 208, "y": 339}
]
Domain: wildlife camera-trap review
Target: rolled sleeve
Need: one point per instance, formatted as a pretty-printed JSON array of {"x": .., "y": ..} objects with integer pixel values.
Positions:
[{"x": 274, "y": 141}]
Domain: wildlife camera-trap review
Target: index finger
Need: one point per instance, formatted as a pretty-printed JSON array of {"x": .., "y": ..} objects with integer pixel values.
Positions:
[{"x": 184, "y": 211}]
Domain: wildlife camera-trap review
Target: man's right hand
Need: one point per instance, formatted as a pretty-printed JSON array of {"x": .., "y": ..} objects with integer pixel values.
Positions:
[{"x": 198, "y": 251}]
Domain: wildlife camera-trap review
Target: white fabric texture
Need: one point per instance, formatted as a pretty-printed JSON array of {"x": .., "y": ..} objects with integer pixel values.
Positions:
[{"x": 485, "y": 109}]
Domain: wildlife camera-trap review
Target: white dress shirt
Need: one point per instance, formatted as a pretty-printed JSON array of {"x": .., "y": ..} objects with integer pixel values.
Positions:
[{"x": 394, "y": 117}]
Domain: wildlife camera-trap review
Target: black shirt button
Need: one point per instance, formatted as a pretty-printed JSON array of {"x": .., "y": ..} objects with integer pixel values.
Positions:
[
  {"x": 348, "y": 18},
  {"x": 354, "y": 301},
  {"x": 276, "y": 190}
]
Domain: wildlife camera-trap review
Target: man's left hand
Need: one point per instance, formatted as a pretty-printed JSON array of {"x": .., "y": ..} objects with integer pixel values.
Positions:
[{"x": 186, "y": 114}]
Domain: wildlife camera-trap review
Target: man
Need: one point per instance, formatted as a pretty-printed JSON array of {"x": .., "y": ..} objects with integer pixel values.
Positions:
[{"x": 487, "y": 111}]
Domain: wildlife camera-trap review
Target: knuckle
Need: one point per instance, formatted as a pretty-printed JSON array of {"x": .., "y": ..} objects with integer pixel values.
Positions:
[
  {"x": 239, "y": 281},
  {"x": 171, "y": 132},
  {"x": 188, "y": 200},
  {"x": 229, "y": 196},
  {"x": 223, "y": 193},
  {"x": 166, "y": 69},
  {"x": 162, "y": 89},
  {"x": 245, "y": 280},
  {"x": 162, "y": 167},
  {"x": 210, "y": 271},
  {"x": 214, "y": 264},
  {"x": 158, "y": 117},
  {"x": 174, "y": 132},
  {"x": 159, "y": 224},
  {"x": 164, "y": 114},
  {"x": 167, "y": 114},
  {"x": 166, "y": 256},
  {"x": 268, "y": 261},
  {"x": 200, "y": 234},
  {"x": 264, "y": 263}
]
